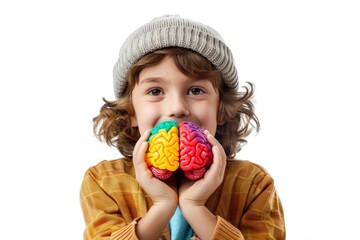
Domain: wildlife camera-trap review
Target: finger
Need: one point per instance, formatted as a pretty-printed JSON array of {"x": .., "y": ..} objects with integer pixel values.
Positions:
[
  {"x": 140, "y": 166},
  {"x": 140, "y": 144},
  {"x": 142, "y": 139},
  {"x": 219, "y": 155},
  {"x": 221, "y": 160},
  {"x": 216, "y": 166},
  {"x": 139, "y": 153},
  {"x": 212, "y": 140}
]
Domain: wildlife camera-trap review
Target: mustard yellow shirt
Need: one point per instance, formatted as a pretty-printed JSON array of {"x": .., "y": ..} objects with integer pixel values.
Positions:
[{"x": 246, "y": 204}]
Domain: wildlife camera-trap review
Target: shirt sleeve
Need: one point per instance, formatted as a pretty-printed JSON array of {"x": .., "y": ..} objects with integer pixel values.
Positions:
[
  {"x": 101, "y": 213},
  {"x": 225, "y": 230},
  {"x": 262, "y": 218}
]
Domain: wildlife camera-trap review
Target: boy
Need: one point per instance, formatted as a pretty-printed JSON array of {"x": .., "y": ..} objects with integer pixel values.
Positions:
[{"x": 178, "y": 69}]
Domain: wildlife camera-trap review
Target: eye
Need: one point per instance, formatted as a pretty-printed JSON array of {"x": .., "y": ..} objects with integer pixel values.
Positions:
[
  {"x": 196, "y": 91},
  {"x": 155, "y": 92}
]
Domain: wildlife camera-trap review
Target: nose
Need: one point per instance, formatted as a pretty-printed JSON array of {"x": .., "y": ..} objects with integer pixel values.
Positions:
[{"x": 178, "y": 107}]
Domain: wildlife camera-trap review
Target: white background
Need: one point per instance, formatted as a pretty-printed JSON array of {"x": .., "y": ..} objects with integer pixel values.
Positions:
[{"x": 56, "y": 60}]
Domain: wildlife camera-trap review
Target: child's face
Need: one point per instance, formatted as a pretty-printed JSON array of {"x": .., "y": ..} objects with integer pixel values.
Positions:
[{"x": 164, "y": 93}]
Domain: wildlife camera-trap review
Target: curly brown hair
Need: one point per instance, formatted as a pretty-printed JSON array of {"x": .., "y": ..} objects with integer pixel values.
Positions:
[{"x": 236, "y": 110}]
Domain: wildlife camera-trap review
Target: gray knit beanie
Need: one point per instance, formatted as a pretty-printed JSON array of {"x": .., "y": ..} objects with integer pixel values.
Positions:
[{"x": 174, "y": 31}]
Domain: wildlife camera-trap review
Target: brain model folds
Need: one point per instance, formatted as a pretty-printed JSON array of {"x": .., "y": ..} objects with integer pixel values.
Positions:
[
  {"x": 195, "y": 151},
  {"x": 162, "y": 156},
  {"x": 172, "y": 145}
]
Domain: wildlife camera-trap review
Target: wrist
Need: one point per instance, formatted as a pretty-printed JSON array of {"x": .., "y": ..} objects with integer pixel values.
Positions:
[
  {"x": 155, "y": 220},
  {"x": 170, "y": 198},
  {"x": 166, "y": 204},
  {"x": 185, "y": 202},
  {"x": 189, "y": 207},
  {"x": 199, "y": 216}
]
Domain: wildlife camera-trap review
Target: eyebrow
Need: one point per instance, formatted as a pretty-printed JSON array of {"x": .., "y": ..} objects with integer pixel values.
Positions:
[
  {"x": 157, "y": 79},
  {"x": 150, "y": 80}
]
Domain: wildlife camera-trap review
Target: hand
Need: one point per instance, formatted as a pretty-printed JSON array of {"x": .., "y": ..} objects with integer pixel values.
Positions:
[
  {"x": 196, "y": 193},
  {"x": 159, "y": 191},
  {"x": 193, "y": 195},
  {"x": 164, "y": 197}
]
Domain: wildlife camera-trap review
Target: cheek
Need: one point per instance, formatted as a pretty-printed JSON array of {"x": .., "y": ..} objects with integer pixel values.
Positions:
[
  {"x": 215, "y": 117},
  {"x": 146, "y": 116},
  {"x": 208, "y": 117},
  {"x": 213, "y": 125}
]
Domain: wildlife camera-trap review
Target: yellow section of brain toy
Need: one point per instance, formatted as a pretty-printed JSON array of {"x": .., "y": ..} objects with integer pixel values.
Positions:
[{"x": 163, "y": 150}]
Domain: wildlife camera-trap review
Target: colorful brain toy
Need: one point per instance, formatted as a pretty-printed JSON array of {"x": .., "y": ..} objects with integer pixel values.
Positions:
[
  {"x": 195, "y": 151},
  {"x": 172, "y": 145},
  {"x": 162, "y": 156}
]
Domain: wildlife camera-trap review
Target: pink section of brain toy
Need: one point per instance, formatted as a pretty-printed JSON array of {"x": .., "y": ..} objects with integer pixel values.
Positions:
[{"x": 195, "y": 150}]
